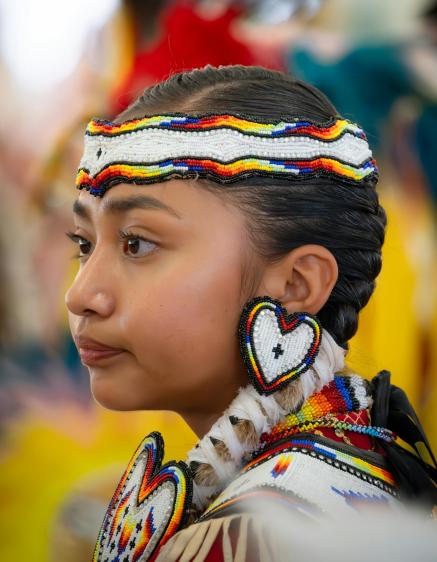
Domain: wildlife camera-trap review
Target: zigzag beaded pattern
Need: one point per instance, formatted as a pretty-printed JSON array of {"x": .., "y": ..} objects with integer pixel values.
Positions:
[
  {"x": 223, "y": 148},
  {"x": 329, "y": 130},
  {"x": 149, "y": 505}
]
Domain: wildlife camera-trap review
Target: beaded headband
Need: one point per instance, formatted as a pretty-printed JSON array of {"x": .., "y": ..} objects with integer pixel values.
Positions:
[{"x": 223, "y": 148}]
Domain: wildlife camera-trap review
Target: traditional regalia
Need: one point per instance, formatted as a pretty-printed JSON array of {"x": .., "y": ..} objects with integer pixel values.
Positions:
[{"x": 306, "y": 434}]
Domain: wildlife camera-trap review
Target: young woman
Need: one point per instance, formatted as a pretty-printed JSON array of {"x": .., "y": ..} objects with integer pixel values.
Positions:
[{"x": 229, "y": 234}]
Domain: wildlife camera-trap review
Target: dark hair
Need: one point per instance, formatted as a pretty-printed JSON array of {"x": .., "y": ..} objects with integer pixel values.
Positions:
[
  {"x": 345, "y": 218},
  {"x": 429, "y": 14}
]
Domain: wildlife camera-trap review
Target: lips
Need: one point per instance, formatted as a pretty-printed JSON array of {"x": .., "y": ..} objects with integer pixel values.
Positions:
[{"x": 92, "y": 351}]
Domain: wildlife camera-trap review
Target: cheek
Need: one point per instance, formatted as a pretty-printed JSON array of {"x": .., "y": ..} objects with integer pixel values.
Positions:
[{"x": 188, "y": 321}]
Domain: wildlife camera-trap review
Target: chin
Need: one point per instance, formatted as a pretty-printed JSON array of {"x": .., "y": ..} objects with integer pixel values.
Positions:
[
  {"x": 119, "y": 397},
  {"x": 109, "y": 395},
  {"x": 112, "y": 402}
]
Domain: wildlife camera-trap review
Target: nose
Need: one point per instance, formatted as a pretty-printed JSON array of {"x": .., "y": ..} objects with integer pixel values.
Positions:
[{"x": 92, "y": 290}]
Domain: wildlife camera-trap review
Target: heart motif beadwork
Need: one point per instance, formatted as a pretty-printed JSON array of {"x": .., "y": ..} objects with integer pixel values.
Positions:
[
  {"x": 277, "y": 348},
  {"x": 150, "y": 505}
]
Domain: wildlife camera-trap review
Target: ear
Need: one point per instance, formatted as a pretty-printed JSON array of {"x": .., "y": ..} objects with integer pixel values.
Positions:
[{"x": 302, "y": 280}]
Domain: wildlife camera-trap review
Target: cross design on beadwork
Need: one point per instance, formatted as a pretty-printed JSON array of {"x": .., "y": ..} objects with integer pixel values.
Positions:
[{"x": 277, "y": 350}]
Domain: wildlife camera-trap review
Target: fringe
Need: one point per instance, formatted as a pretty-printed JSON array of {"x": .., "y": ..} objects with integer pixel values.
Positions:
[{"x": 194, "y": 543}]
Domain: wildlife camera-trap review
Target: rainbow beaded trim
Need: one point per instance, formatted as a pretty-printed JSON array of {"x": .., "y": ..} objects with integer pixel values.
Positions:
[
  {"x": 343, "y": 394},
  {"x": 334, "y": 423},
  {"x": 183, "y": 122},
  {"x": 221, "y": 147},
  {"x": 149, "y": 506},
  {"x": 276, "y": 347}
]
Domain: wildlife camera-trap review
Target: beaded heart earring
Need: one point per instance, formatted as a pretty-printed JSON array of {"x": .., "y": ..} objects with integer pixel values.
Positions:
[{"x": 276, "y": 347}]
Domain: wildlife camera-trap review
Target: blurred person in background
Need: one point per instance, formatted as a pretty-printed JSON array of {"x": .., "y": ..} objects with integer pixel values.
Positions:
[
  {"x": 170, "y": 36},
  {"x": 41, "y": 362}
]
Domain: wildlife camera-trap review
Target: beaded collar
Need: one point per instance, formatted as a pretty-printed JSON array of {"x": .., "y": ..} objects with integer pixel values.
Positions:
[{"x": 223, "y": 148}]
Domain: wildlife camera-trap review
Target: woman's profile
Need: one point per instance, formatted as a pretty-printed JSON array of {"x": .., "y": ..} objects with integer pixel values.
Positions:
[{"x": 229, "y": 234}]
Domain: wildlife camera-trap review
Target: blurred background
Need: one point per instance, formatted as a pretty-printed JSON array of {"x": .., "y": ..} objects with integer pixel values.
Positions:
[{"x": 64, "y": 62}]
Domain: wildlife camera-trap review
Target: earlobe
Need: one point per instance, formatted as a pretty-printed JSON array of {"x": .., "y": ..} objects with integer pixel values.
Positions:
[{"x": 303, "y": 279}]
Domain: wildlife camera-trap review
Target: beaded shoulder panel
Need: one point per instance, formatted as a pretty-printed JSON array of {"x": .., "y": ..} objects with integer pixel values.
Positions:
[
  {"x": 311, "y": 474},
  {"x": 150, "y": 505}
]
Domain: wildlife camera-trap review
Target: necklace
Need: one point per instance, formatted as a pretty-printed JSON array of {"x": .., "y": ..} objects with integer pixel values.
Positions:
[{"x": 331, "y": 421}]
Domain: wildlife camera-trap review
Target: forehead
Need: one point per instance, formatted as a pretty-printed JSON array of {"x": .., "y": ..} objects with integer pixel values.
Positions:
[
  {"x": 180, "y": 199},
  {"x": 122, "y": 198}
]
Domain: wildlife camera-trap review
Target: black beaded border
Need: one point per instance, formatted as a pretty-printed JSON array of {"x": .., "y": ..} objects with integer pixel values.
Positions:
[
  {"x": 157, "y": 467},
  {"x": 245, "y": 116},
  {"x": 242, "y": 330},
  {"x": 363, "y": 475}
]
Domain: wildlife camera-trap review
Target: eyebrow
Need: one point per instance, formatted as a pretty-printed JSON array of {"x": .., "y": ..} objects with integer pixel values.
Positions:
[{"x": 118, "y": 206}]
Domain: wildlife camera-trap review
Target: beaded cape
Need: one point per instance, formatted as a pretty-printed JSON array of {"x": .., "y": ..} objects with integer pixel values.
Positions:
[{"x": 223, "y": 148}]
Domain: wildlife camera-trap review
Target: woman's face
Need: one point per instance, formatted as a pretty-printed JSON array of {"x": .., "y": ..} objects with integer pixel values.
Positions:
[{"x": 160, "y": 280}]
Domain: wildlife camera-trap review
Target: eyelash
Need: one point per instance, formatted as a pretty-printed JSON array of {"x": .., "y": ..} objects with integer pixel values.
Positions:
[{"x": 122, "y": 236}]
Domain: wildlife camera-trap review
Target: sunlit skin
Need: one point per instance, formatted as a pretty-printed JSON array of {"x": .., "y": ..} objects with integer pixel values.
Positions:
[{"x": 172, "y": 302}]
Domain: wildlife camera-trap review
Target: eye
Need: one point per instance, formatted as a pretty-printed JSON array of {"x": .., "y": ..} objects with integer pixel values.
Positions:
[
  {"x": 83, "y": 244},
  {"x": 135, "y": 245}
]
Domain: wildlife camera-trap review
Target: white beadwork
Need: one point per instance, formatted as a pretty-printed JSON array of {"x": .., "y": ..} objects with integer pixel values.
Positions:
[
  {"x": 292, "y": 347},
  {"x": 360, "y": 392},
  {"x": 159, "y": 502},
  {"x": 305, "y": 475},
  {"x": 223, "y": 145}
]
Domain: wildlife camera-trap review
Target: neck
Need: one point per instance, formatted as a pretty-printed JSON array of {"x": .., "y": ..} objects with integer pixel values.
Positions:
[
  {"x": 200, "y": 422},
  {"x": 202, "y": 418}
]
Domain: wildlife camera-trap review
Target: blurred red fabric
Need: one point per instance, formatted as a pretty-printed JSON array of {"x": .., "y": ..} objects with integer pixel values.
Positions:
[{"x": 186, "y": 41}]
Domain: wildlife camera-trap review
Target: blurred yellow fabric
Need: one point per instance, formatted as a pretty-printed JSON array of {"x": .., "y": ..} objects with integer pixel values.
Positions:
[
  {"x": 395, "y": 328},
  {"x": 78, "y": 453}
]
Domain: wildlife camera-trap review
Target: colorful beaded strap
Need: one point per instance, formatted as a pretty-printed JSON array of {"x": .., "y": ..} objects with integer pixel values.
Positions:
[
  {"x": 223, "y": 148},
  {"x": 342, "y": 395},
  {"x": 335, "y": 423}
]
